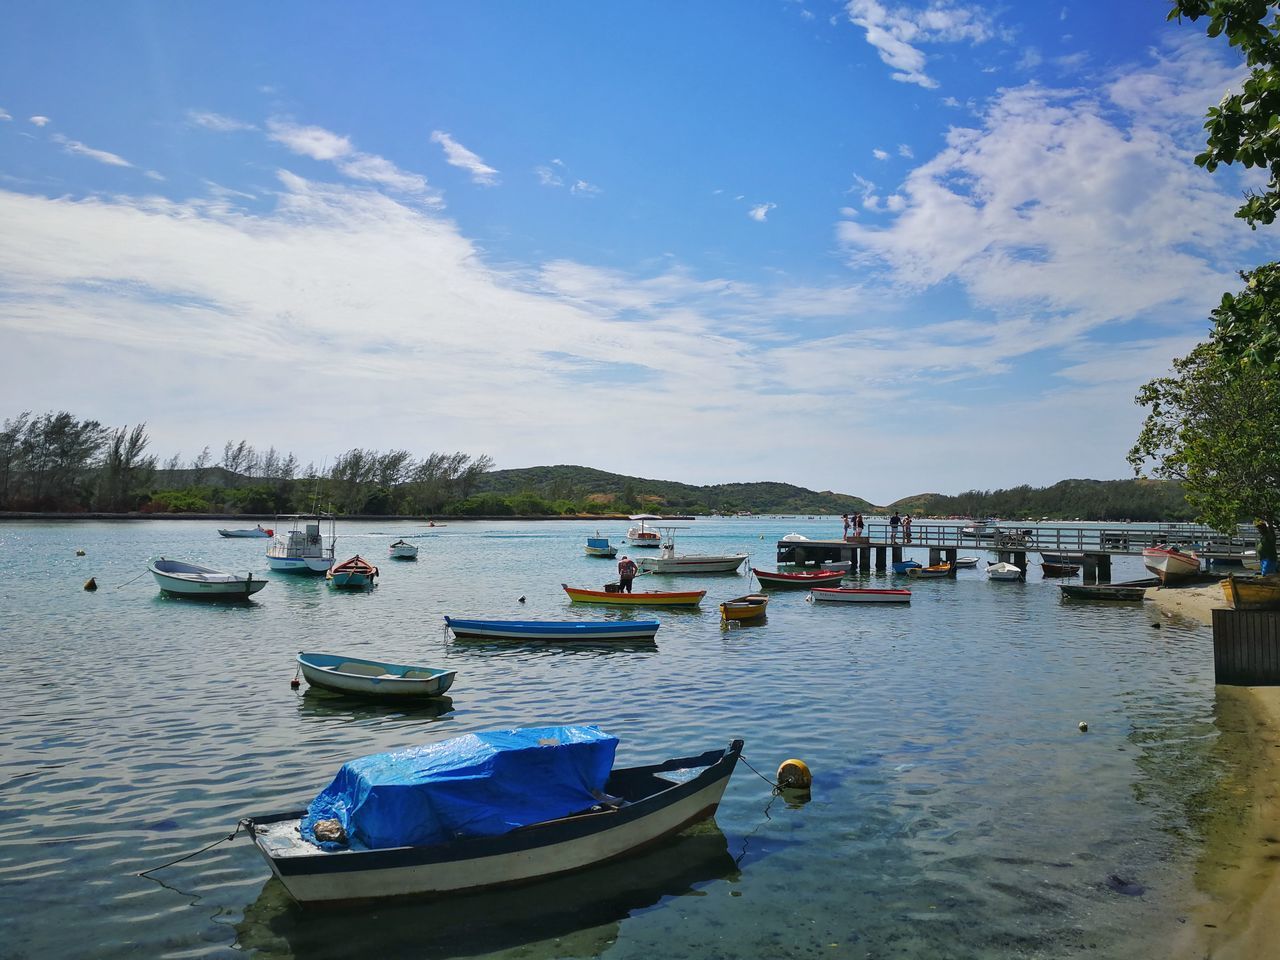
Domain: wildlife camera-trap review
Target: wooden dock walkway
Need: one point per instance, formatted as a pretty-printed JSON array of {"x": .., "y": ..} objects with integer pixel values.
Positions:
[{"x": 1093, "y": 545}]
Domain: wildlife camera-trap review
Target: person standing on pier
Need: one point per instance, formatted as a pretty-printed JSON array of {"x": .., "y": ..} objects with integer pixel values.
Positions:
[
  {"x": 845, "y": 518},
  {"x": 857, "y": 525},
  {"x": 906, "y": 528},
  {"x": 894, "y": 522},
  {"x": 1266, "y": 547}
]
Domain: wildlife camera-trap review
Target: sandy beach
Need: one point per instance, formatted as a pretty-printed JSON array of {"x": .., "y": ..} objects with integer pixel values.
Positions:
[{"x": 1237, "y": 877}]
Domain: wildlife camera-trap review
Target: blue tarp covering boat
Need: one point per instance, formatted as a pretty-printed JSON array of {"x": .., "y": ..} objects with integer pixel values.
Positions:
[{"x": 478, "y": 785}]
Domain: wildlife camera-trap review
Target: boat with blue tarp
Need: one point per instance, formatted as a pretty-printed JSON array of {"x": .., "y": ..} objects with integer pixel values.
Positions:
[
  {"x": 483, "y": 810},
  {"x": 599, "y": 546},
  {"x": 553, "y": 629}
]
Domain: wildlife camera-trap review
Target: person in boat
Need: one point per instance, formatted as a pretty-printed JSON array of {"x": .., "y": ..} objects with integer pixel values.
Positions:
[
  {"x": 894, "y": 522},
  {"x": 626, "y": 573}
]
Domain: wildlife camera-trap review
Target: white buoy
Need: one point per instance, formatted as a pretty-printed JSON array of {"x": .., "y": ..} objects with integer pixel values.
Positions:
[{"x": 1084, "y": 727}]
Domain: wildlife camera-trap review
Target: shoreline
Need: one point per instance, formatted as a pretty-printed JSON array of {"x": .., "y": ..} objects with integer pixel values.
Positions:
[{"x": 1237, "y": 878}]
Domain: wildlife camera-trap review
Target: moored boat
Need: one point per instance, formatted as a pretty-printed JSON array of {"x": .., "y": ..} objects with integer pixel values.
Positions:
[
  {"x": 193, "y": 581},
  {"x": 373, "y": 678},
  {"x": 354, "y": 574},
  {"x": 540, "y": 815},
  {"x": 642, "y": 536},
  {"x": 259, "y": 531},
  {"x": 599, "y": 546},
  {"x": 803, "y": 578},
  {"x": 403, "y": 550},
  {"x": 1171, "y": 563},
  {"x": 553, "y": 630},
  {"x": 303, "y": 547},
  {"x": 671, "y": 562},
  {"x": 905, "y": 566},
  {"x": 1059, "y": 569},
  {"x": 1004, "y": 571},
  {"x": 935, "y": 571},
  {"x": 650, "y": 598},
  {"x": 1128, "y": 590},
  {"x": 750, "y": 607},
  {"x": 1252, "y": 593},
  {"x": 859, "y": 595},
  {"x": 966, "y": 561}
]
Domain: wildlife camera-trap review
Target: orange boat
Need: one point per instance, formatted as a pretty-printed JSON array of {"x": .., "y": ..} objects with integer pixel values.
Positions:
[{"x": 660, "y": 598}]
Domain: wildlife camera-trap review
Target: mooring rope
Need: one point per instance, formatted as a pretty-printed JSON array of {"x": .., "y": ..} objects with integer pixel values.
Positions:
[{"x": 231, "y": 836}]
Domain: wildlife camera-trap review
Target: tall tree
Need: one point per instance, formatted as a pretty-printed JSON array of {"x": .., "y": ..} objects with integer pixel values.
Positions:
[
  {"x": 10, "y": 445},
  {"x": 124, "y": 467},
  {"x": 1213, "y": 425}
]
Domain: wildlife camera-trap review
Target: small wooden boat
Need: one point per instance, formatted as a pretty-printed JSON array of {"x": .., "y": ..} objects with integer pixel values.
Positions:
[
  {"x": 181, "y": 579},
  {"x": 599, "y": 546},
  {"x": 258, "y": 531},
  {"x": 934, "y": 571},
  {"x": 1003, "y": 571},
  {"x": 1171, "y": 563},
  {"x": 906, "y": 566},
  {"x": 802, "y": 579},
  {"x": 1128, "y": 590},
  {"x": 651, "y": 598},
  {"x": 403, "y": 550},
  {"x": 859, "y": 595},
  {"x": 373, "y": 678},
  {"x": 966, "y": 562},
  {"x": 1060, "y": 569},
  {"x": 553, "y": 630},
  {"x": 1062, "y": 559},
  {"x": 641, "y": 806},
  {"x": 1252, "y": 593},
  {"x": 354, "y": 574},
  {"x": 744, "y": 608}
]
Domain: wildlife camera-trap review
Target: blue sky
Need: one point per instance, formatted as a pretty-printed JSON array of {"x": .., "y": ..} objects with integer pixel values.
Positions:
[{"x": 877, "y": 248}]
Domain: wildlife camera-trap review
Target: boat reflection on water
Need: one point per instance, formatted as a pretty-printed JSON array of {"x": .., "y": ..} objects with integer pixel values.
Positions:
[
  {"x": 574, "y": 915},
  {"x": 317, "y": 704}
]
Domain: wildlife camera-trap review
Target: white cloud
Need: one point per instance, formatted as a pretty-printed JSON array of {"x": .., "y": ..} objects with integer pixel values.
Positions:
[
  {"x": 40, "y": 121},
  {"x": 154, "y": 175},
  {"x": 880, "y": 154},
  {"x": 5, "y": 115},
  {"x": 80, "y": 150},
  {"x": 217, "y": 121},
  {"x": 459, "y": 156},
  {"x": 760, "y": 212},
  {"x": 548, "y": 177},
  {"x": 583, "y": 188},
  {"x": 904, "y": 150},
  {"x": 896, "y": 33},
  {"x": 325, "y": 145}
]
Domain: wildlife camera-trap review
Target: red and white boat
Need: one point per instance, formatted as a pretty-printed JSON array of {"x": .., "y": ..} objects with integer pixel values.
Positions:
[
  {"x": 860, "y": 595},
  {"x": 1171, "y": 563},
  {"x": 806, "y": 578}
]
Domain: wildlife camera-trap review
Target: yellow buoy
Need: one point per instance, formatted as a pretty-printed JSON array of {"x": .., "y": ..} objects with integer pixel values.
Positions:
[
  {"x": 794, "y": 774},
  {"x": 91, "y": 584}
]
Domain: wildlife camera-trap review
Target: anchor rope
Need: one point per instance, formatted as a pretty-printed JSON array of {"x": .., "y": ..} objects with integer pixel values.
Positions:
[{"x": 231, "y": 836}]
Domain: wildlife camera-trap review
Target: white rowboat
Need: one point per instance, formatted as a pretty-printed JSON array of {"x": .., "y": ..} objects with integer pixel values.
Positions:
[{"x": 182, "y": 579}]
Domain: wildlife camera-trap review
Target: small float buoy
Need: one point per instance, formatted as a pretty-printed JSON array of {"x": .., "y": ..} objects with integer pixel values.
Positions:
[
  {"x": 79, "y": 553},
  {"x": 1084, "y": 727},
  {"x": 521, "y": 600},
  {"x": 91, "y": 584},
  {"x": 1155, "y": 626},
  {"x": 295, "y": 683},
  {"x": 794, "y": 774}
]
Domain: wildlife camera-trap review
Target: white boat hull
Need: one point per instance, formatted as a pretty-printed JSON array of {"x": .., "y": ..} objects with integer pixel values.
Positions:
[
  {"x": 692, "y": 563},
  {"x": 203, "y": 582},
  {"x": 854, "y": 595},
  {"x": 300, "y": 564},
  {"x": 533, "y": 853},
  {"x": 404, "y": 552},
  {"x": 1171, "y": 564}
]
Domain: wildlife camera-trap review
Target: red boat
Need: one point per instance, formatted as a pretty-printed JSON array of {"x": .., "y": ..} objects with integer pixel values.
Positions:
[
  {"x": 805, "y": 579},
  {"x": 354, "y": 574}
]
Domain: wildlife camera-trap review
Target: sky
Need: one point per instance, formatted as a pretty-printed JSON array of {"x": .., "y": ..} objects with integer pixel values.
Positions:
[{"x": 876, "y": 248}]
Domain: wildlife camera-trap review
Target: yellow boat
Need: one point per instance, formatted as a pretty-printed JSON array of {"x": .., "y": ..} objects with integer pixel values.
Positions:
[
  {"x": 744, "y": 608},
  {"x": 1252, "y": 593},
  {"x": 659, "y": 598}
]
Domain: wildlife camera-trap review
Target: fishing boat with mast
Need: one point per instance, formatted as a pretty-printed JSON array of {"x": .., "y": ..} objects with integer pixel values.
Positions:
[
  {"x": 671, "y": 562},
  {"x": 642, "y": 536},
  {"x": 303, "y": 547}
]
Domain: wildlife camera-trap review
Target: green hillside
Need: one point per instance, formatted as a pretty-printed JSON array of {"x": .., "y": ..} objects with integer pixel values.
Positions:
[
  {"x": 633, "y": 494},
  {"x": 1140, "y": 500}
]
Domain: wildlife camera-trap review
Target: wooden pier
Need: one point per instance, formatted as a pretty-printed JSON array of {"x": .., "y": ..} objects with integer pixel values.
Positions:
[
  {"x": 1246, "y": 647},
  {"x": 1090, "y": 546}
]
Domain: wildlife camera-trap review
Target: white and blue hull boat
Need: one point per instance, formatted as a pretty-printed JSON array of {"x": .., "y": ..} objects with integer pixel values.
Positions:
[
  {"x": 303, "y": 547},
  {"x": 373, "y": 678},
  {"x": 554, "y": 630},
  {"x": 195, "y": 582},
  {"x": 658, "y": 801}
]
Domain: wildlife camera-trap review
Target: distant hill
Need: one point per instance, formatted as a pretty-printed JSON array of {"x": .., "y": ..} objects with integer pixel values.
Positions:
[
  {"x": 1141, "y": 500},
  {"x": 567, "y": 482}
]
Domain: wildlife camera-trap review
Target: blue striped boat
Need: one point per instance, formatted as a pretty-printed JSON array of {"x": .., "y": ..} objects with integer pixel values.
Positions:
[{"x": 594, "y": 630}]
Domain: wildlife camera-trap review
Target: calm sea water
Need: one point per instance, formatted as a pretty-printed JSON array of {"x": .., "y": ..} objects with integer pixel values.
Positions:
[{"x": 957, "y": 811}]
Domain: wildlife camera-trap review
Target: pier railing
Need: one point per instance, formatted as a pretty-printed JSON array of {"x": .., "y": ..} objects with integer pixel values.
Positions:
[{"x": 1118, "y": 540}]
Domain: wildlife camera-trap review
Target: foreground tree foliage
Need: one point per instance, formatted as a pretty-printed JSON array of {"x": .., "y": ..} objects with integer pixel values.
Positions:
[{"x": 1213, "y": 425}]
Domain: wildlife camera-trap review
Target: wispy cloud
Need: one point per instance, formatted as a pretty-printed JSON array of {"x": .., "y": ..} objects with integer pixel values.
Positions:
[
  {"x": 325, "y": 145},
  {"x": 40, "y": 121},
  {"x": 880, "y": 154},
  {"x": 217, "y": 121},
  {"x": 760, "y": 212},
  {"x": 80, "y": 150},
  {"x": 5, "y": 115},
  {"x": 583, "y": 188},
  {"x": 904, "y": 150},
  {"x": 897, "y": 33},
  {"x": 556, "y": 173},
  {"x": 548, "y": 176},
  {"x": 457, "y": 155}
]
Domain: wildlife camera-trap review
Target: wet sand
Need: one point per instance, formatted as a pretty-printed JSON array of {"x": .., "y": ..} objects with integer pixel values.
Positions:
[{"x": 1238, "y": 914}]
